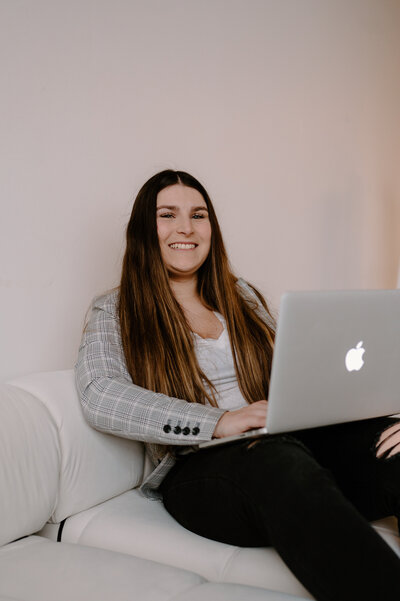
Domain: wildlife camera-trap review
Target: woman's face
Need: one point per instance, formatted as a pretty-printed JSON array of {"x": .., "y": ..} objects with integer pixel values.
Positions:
[{"x": 184, "y": 229}]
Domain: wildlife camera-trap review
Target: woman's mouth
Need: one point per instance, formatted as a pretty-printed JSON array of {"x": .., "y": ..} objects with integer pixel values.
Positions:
[{"x": 182, "y": 245}]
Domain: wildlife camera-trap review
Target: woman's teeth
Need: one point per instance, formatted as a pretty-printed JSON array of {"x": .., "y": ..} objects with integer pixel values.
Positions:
[{"x": 182, "y": 246}]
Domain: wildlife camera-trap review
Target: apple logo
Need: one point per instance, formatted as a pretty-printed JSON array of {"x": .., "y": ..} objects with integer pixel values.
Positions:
[{"x": 354, "y": 360}]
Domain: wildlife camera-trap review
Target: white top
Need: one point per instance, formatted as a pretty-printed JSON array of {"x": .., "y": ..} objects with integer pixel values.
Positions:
[{"x": 215, "y": 359}]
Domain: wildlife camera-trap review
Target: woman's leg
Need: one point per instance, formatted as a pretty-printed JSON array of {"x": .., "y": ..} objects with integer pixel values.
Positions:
[
  {"x": 348, "y": 451},
  {"x": 274, "y": 492}
]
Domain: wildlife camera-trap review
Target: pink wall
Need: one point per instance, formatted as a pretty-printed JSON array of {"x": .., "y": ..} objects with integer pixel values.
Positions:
[{"x": 287, "y": 111}]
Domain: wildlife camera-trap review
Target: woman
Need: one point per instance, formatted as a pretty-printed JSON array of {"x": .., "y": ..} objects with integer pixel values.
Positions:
[{"x": 181, "y": 353}]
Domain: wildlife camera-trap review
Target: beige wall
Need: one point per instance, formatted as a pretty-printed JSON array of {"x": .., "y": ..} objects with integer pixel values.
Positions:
[{"x": 287, "y": 110}]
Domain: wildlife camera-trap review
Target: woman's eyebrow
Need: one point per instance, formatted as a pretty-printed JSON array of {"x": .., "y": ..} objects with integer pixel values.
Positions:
[
  {"x": 202, "y": 208},
  {"x": 174, "y": 208}
]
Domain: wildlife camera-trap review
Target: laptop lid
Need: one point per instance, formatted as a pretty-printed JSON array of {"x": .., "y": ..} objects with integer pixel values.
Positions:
[{"x": 336, "y": 358}]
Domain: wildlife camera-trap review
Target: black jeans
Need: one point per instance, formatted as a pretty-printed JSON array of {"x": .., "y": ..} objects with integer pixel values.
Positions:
[{"x": 310, "y": 494}]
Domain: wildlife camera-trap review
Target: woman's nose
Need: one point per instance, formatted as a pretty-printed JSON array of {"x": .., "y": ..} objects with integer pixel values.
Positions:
[{"x": 184, "y": 225}]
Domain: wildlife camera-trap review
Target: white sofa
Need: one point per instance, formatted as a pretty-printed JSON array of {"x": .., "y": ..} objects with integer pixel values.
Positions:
[{"x": 62, "y": 480}]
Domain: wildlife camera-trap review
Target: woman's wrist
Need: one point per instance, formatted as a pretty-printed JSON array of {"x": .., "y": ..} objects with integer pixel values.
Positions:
[{"x": 217, "y": 429}]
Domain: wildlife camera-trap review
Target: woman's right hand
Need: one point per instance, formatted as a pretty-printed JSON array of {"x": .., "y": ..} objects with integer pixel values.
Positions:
[{"x": 241, "y": 420}]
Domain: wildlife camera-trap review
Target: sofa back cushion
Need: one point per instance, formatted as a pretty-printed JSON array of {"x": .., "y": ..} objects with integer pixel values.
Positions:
[
  {"x": 29, "y": 464},
  {"x": 94, "y": 466}
]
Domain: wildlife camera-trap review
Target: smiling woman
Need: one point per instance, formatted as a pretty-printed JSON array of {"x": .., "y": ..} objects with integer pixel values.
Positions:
[
  {"x": 182, "y": 353},
  {"x": 176, "y": 281}
]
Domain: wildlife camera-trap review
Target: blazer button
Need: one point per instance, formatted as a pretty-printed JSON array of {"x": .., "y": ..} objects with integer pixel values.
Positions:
[
  {"x": 177, "y": 429},
  {"x": 186, "y": 431},
  {"x": 167, "y": 428},
  {"x": 195, "y": 431}
]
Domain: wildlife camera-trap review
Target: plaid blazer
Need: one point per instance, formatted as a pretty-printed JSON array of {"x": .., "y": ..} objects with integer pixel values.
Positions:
[{"x": 112, "y": 403}]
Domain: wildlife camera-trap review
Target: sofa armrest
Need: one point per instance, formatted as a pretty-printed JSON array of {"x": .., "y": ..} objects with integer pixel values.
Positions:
[{"x": 94, "y": 466}]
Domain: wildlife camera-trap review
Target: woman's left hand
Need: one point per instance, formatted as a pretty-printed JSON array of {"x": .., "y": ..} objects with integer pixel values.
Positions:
[{"x": 389, "y": 442}]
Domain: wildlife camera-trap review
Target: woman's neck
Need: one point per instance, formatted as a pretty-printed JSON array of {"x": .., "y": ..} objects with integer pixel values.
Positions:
[
  {"x": 185, "y": 290},
  {"x": 201, "y": 319}
]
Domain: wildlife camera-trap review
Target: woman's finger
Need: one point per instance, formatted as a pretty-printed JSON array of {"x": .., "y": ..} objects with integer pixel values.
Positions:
[
  {"x": 395, "y": 450},
  {"x": 389, "y": 441}
]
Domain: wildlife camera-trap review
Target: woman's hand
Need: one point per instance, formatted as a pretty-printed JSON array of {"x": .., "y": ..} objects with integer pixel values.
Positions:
[
  {"x": 389, "y": 442},
  {"x": 241, "y": 420}
]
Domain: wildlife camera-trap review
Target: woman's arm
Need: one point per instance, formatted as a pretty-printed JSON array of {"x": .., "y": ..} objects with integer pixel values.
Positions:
[{"x": 113, "y": 404}]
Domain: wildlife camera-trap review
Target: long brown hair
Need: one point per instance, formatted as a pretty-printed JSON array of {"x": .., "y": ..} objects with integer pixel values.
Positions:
[{"x": 156, "y": 337}]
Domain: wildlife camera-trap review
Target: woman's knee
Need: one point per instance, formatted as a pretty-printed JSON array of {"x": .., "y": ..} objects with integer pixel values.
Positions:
[
  {"x": 285, "y": 465},
  {"x": 279, "y": 450}
]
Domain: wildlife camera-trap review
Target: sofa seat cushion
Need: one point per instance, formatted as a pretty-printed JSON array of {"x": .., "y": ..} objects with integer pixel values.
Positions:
[
  {"x": 142, "y": 527},
  {"x": 36, "y": 569},
  {"x": 211, "y": 591},
  {"x": 389, "y": 531}
]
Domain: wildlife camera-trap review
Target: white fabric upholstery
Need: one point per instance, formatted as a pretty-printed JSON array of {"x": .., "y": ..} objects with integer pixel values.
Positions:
[
  {"x": 94, "y": 466},
  {"x": 138, "y": 526},
  {"x": 232, "y": 592},
  {"x": 388, "y": 530},
  {"x": 35, "y": 569},
  {"x": 53, "y": 464},
  {"x": 141, "y": 527},
  {"x": 29, "y": 460}
]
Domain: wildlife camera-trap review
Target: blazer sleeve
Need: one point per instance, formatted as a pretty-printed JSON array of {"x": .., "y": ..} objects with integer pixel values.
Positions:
[{"x": 112, "y": 403}]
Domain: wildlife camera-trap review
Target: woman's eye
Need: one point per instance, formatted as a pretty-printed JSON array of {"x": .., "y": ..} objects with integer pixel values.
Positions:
[{"x": 171, "y": 215}]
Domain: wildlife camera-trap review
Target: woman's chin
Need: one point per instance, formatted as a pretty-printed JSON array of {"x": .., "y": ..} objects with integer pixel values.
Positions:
[{"x": 179, "y": 272}]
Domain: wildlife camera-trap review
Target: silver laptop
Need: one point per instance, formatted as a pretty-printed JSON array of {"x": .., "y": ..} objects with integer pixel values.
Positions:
[{"x": 336, "y": 359}]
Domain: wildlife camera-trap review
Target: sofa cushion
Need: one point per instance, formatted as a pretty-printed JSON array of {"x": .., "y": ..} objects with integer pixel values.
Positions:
[
  {"x": 35, "y": 569},
  {"x": 232, "y": 592},
  {"x": 139, "y": 526},
  {"x": 94, "y": 466},
  {"x": 29, "y": 464}
]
